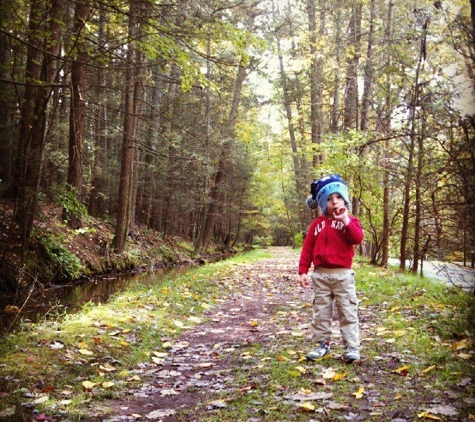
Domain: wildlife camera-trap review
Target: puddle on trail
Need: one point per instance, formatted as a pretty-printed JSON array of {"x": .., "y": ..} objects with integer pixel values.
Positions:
[{"x": 70, "y": 298}]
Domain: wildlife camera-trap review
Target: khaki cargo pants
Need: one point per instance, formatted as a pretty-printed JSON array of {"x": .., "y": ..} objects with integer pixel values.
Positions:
[{"x": 335, "y": 286}]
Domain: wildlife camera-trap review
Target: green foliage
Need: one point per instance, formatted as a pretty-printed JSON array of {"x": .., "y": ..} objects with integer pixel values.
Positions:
[
  {"x": 62, "y": 261},
  {"x": 66, "y": 196}
]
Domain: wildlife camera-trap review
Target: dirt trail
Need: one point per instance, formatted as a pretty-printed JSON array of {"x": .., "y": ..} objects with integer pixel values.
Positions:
[
  {"x": 268, "y": 308},
  {"x": 201, "y": 360}
]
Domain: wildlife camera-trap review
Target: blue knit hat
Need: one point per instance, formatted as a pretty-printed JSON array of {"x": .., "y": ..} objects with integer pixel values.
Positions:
[{"x": 321, "y": 189}]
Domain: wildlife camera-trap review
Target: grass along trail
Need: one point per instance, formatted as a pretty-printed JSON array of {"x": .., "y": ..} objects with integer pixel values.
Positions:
[
  {"x": 227, "y": 342},
  {"x": 245, "y": 358}
]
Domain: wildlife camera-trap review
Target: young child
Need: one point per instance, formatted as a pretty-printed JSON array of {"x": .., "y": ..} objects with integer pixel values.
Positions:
[{"x": 329, "y": 246}]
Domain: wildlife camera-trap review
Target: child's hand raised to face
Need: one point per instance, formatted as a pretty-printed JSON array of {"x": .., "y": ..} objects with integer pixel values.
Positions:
[{"x": 341, "y": 213}]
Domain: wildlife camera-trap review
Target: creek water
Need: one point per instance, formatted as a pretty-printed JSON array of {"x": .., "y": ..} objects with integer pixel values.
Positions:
[{"x": 61, "y": 299}]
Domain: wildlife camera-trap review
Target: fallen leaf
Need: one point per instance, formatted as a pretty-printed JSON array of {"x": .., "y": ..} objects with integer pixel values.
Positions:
[
  {"x": 465, "y": 356},
  {"x": 329, "y": 374},
  {"x": 443, "y": 410},
  {"x": 85, "y": 352},
  {"x": 41, "y": 399},
  {"x": 107, "y": 384},
  {"x": 217, "y": 404},
  {"x": 430, "y": 368},
  {"x": 309, "y": 407},
  {"x": 160, "y": 413},
  {"x": 88, "y": 385},
  {"x": 107, "y": 367},
  {"x": 403, "y": 370},
  {"x": 337, "y": 406},
  {"x": 400, "y": 333},
  {"x": 358, "y": 394},
  {"x": 339, "y": 377},
  {"x": 301, "y": 396},
  {"x": 295, "y": 373},
  {"x": 169, "y": 392},
  {"x": 427, "y": 415},
  {"x": 462, "y": 344}
]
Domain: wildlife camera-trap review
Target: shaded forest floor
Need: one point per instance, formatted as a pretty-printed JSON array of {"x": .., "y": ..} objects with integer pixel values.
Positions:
[{"x": 240, "y": 355}]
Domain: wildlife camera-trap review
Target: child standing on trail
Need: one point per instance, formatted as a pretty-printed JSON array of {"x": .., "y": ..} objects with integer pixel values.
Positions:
[{"x": 329, "y": 246}]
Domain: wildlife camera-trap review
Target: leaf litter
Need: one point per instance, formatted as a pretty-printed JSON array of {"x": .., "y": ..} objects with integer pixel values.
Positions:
[{"x": 195, "y": 375}]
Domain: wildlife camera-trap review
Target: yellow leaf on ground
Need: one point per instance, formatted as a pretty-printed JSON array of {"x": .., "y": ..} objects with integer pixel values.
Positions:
[
  {"x": 462, "y": 344},
  {"x": 301, "y": 369},
  {"x": 88, "y": 384},
  {"x": 329, "y": 374},
  {"x": 85, "y": 352},
  {"x": 295, "y": 373},
  {"x": 427, "y": 415},
  {"x": 400, "y": 333},
  {"x": 107, "y": 367},
  {"x": 402, "y": 369},
  {"x": 309, "y": 407},
  {"x": 108, "y": 384},
  {"x": 339, "y": 377},
  {"x": 82, "y": 345},
  {"x": 282, "y": 358},
  {"x": 358, "y": 394},
  {"x": 430, "y": 368},
  {"x": 253, "y": 323}
]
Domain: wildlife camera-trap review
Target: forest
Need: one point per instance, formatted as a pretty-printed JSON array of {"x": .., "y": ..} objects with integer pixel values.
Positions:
[{"x": 207, "y": 120}]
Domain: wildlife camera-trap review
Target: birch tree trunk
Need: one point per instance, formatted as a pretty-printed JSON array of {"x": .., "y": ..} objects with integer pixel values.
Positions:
[{"x": 387, "y": 144}]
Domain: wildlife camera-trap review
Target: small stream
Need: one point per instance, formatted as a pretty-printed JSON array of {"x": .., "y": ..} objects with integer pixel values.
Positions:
[{"x": 61, "y": 299}]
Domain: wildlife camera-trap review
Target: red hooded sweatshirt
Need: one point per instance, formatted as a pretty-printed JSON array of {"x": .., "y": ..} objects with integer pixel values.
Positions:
[{"x": 329, "y": 244}]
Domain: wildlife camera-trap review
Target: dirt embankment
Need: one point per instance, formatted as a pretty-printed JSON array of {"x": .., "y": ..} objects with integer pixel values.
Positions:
[{"x": 58, "y": 253}]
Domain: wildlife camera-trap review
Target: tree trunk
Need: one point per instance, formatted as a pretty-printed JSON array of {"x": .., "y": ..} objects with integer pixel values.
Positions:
[
  {"x": 335, "y": 111},
  {"x": 7, "y": 96},
  {"x": 98, "y": 182},
  {"x": 387, "y": 145},
  {"x": 215, "y": 194},
  {"x": 128, "y": 140},
  {"x": 77, "y": 121},
  {"x": 368, "y": 71},
  {"x": 34, "y": 108},
  {"x": 316, "y": 78},
  {"x": 350, "y": 119},
  {"x": 411, "y": 147}
]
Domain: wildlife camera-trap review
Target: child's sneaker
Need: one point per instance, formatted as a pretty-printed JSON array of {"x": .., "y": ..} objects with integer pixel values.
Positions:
[
  {"x": 320, "y": 351},
  {"x": 352, "y": 354}
]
